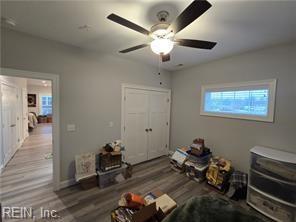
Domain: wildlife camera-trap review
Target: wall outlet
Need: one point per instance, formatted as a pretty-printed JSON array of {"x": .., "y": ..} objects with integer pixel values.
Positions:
[
  {"x": 111, "y": 124},
  {"x": 71, "y": 127}
]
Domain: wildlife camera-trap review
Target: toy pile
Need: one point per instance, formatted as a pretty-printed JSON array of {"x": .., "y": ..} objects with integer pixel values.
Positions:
[
  {"x": 192, "y": 160},
  {"x": 219, "y": 173},
  {"x": 153, "y": 207},
  {"x": 110, "y": 156},
  {"x": 110, "y": 168},
  {"x": 179, "y": 158},
  {"x": 197, "y": 164}
]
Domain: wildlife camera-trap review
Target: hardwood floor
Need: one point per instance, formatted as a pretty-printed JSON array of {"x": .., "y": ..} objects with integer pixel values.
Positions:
[
  {"x": 27, "y": 182},
  {"x": 28, "y": 170}
]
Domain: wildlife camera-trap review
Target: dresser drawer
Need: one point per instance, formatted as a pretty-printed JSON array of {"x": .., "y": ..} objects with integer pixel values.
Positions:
[
  {"x": 270, "y": 207},
  {"x": 274, "y": 168},
  {"x": 282, "y": 190}
]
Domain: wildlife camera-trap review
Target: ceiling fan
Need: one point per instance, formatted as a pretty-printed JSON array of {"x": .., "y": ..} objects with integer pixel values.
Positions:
[{"x": 163, "y": 33}]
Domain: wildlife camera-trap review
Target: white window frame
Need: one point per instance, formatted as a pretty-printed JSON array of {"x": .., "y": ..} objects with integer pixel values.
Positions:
[
  {"x": 271, "y": 84},
  {"x": 40, "y": 101}
]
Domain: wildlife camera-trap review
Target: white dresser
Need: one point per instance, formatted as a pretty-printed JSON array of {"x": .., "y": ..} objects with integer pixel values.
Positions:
[{"x": 272, "y": 183}]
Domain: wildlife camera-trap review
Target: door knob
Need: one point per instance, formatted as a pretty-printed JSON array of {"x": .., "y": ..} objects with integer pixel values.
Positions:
[
  {"x": 146, "y": 130},
  {"x": 150, "y": 130}
]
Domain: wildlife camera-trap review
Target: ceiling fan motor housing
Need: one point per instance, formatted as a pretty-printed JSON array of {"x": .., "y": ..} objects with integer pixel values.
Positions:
[
  {"x": 163, "y": 16},
  {"x": 159, "y": 26}
]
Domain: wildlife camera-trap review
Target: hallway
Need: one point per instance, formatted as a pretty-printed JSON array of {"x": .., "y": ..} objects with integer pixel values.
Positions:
[{"x": 29, "y": 169}]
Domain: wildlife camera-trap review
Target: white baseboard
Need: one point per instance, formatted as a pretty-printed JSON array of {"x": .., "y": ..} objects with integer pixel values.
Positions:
[{"x": 67, "y": 183}]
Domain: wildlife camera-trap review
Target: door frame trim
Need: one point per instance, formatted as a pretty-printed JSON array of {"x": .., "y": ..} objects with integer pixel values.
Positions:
[
  {"x": 56, "y": 114},
  {"x": 143, "y": 87}
]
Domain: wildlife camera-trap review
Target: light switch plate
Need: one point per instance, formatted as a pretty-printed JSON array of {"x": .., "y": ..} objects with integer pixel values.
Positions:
[{"x": 71, "y": 127}]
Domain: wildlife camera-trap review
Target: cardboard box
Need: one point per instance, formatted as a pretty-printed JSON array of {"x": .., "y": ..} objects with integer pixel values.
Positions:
[
  {"x": 88, "y": 183},
  {"x": 146, "y": 213},
  {"x": 165, "y": 204},
  {"x": 155, "y": 210}
]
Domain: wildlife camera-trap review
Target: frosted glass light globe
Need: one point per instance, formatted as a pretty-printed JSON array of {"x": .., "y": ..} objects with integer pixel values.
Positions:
[{"x": 161, "y": 46}]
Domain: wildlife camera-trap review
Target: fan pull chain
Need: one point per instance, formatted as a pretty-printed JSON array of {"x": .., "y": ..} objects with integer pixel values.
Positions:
[{"x": 159, "y": 62}]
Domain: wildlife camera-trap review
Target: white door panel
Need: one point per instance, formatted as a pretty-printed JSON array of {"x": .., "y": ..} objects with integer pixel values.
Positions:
[
  {"x": 158, "y": 124},
  {"x": 136, "y": 121},
  {"x": 157, "y": 135},
  {"x": 9, "y": 121}
]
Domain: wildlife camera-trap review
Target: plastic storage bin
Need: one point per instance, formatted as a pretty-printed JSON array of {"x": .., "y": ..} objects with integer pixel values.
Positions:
[
  {"x": 285, "y": 191},
  {"x": 272, "y": 184},
  {"x": 281, "y": 170},
  {"x": 270, "y": 207},
  {"x": 111, "y": 177}
]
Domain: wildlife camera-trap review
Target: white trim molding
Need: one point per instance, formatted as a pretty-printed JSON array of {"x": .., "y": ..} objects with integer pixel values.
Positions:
[
  {"x": 151, "y": 88},
  {"x": 269, "y": 84},
  {"x": 56, "y": 113}
]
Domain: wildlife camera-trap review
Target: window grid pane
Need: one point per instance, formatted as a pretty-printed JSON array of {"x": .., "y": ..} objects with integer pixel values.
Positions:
[
  {"x": 46, "y": 108},
  {"x": 241, "y": 102}
]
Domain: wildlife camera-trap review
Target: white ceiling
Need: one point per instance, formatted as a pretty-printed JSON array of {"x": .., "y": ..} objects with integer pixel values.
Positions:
[
  {"x": 236, "y": 26},
  {"x": 37, "y": 82}
]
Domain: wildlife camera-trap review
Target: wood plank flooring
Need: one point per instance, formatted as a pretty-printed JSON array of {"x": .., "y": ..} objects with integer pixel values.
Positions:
[{"x": 27, "y": 182}]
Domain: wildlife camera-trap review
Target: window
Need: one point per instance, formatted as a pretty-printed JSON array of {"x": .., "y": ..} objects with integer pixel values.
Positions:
[
  {"x": 249, "y": 100},
  {"x": 46, "y": 105}
]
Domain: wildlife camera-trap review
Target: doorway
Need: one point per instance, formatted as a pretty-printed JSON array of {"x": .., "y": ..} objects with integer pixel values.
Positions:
[{"x": 50, "y": 127}]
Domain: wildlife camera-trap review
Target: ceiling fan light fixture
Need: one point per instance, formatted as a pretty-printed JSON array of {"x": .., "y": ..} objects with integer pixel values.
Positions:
[
  {"x": 163, "y": 33},
  {"x": 161, "y": 46},
  {"x": 159, "y": 33}
]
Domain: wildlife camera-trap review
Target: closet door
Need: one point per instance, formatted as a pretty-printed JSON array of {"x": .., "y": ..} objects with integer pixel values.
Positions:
[
  {"x": 136, "y": 106},
  {"x": 9, "y": 134},
  {"x": 19, "y": 118},
  {"x": 25, "y": 113},
  {"x": 158, "y": 124}
]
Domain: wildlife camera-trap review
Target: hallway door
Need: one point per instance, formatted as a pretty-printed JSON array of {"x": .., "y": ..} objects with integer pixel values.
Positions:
[
  {"x": 9, "y": 121},
  {"x": 25, "y": 132}
]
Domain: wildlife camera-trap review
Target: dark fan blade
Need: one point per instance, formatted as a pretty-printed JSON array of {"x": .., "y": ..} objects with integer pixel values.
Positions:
[
  {"x": 200, "y": 44},
  {"x": 128, "y": 24},
  {"x": 192, "y": 12},
  {"x": 165, "y": 58},
  {"x": 133, "y": 48}
]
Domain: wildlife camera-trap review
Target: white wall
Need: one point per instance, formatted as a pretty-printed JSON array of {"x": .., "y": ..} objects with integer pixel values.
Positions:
[
  {"x": 90, "y": 88},
  {"x": 233, "y": 138},
  {"x": 39, "y": 91},
  {"x": 90, "y": 96}
]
